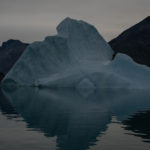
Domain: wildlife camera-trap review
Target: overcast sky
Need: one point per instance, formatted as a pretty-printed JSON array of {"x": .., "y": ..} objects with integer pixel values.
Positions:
[{"x": 32, "y": 20}]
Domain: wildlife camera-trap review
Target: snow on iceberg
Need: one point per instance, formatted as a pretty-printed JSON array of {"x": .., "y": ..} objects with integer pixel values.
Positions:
[{"x": 78, "y": 57}]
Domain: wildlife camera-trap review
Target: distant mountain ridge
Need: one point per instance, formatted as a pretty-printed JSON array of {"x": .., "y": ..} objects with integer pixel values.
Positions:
[
  {"x": 10, "y": 51},
  {"x": 135, "y": 42}
]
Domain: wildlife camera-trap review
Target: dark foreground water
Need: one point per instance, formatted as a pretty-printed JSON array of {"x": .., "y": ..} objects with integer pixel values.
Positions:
[{"x": 69, "y": 119}]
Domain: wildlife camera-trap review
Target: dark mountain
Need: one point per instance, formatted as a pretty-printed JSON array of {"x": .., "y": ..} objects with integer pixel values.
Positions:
[
  {"x": 135, "y": 42},
  {"x": 1, "y": 76},
  {"x": 10, "y": 51}
]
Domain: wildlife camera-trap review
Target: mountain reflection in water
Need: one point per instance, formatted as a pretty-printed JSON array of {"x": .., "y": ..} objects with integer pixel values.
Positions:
[
  {"x": 139, "y": 123},
  {"x": 74, "y": 117}
]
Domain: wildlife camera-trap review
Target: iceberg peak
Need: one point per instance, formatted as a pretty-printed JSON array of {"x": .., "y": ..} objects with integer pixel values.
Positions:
[
  {"x": 84, "y": 41},
  {"x": 69, "y": 23}
]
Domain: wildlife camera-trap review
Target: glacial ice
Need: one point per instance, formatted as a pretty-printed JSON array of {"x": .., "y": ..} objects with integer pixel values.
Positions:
[{"x": 77, "y": 57}]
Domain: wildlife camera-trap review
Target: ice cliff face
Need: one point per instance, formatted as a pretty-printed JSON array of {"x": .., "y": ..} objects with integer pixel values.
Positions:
[
  {"x": 77, "y": 57},
  {"x": 85, "y": 43}
]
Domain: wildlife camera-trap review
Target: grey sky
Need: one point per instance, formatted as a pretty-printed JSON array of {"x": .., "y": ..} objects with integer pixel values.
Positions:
[{"x": 32, "y": 20}]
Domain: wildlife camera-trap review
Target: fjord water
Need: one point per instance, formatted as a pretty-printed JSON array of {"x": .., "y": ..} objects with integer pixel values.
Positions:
[{"x": 74, "y": 119}]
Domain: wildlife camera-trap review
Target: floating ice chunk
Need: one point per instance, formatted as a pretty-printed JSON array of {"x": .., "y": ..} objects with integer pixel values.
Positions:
[{"x": 135, "y": 74}]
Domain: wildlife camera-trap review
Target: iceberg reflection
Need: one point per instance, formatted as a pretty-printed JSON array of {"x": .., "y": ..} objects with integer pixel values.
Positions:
[{"x": 75, "y": 119}]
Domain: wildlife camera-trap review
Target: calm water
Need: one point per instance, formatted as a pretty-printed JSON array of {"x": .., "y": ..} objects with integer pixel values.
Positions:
[{"x": 69, "y": 119}]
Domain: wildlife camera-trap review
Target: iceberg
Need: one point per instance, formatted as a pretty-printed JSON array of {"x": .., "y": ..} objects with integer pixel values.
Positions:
[{"x": 77, "y": 57}]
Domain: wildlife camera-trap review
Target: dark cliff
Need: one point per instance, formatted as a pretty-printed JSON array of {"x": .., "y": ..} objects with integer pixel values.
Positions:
[
  {"x": 10, "y": 52},
  {"x": 135, "y": 42}
]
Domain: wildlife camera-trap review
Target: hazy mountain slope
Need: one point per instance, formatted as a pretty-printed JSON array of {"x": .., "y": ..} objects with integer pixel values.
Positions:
[{"x": 10, "y": 51}]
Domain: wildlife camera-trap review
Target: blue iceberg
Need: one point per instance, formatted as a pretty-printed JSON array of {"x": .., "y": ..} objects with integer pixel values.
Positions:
[{"x": 77, "y": 57}]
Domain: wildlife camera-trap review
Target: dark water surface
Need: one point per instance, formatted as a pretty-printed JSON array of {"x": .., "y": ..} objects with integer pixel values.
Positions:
[{"x": 69, "y": 119}]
